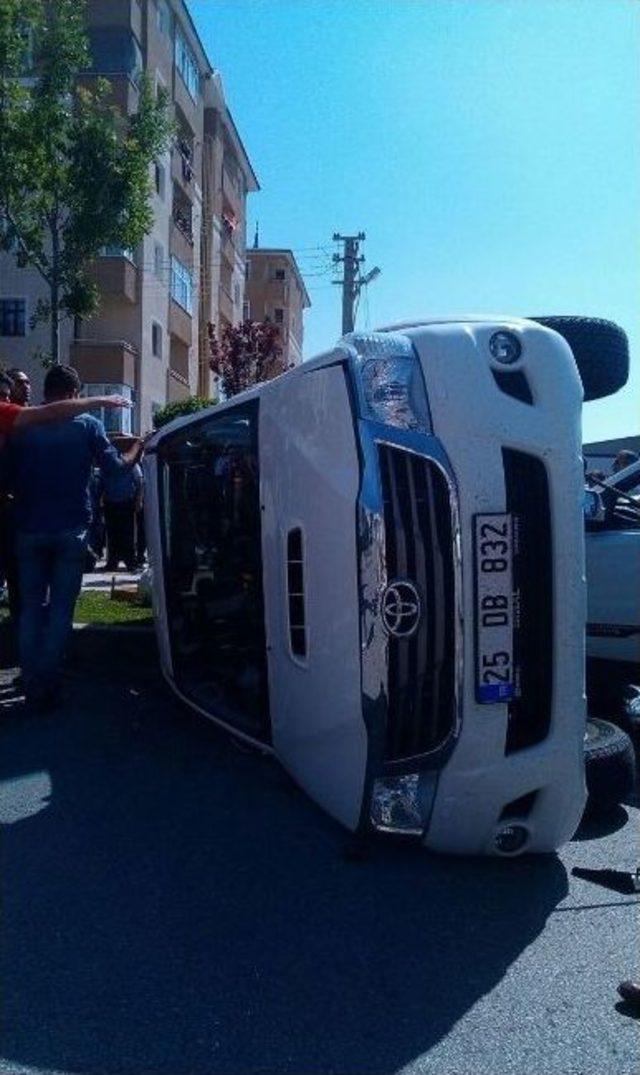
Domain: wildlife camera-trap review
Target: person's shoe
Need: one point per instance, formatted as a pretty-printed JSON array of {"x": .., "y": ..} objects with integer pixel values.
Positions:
[{"x": 630, "y": 991}]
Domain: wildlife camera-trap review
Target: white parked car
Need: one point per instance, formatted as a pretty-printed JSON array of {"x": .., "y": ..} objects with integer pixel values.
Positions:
[{"x": 373, "y": 567}]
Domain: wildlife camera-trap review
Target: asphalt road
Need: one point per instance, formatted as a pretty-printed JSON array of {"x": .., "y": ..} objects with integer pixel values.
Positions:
[{"x": 171, "y": 905}]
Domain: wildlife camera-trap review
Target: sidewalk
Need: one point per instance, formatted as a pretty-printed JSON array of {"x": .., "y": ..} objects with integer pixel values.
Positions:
[{"x": 101, "y": 580}]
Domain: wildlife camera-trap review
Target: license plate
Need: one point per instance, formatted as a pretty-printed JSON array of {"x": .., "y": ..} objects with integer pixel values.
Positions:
[{"x": 493, "y": 550}]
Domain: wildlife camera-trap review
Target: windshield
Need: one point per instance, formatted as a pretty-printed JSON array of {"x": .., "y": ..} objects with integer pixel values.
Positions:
[{"x": 213, "y": 566}]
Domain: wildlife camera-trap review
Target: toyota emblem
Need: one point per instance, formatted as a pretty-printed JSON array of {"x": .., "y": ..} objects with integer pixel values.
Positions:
[{"x": 401, "y": 609}]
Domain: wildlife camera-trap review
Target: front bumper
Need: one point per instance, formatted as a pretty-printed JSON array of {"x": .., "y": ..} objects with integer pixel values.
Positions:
[{"x": 483, "y": 782}]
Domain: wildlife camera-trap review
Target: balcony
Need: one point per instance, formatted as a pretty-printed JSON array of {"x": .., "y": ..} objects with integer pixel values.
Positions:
[
  {"x": 191, "y": 109},
  {"x": 116, "y": 276},
  {"x": 233, "y": 201},
  {"x": 183, "y": 218},
  {"x": 225, "y": 304},
  {"x": 180, "y": 324},
  {"x": 177, "y": 387},
  {"x": 179, "y": 360},
  {"x": 104, "y": 361},
  {"x": 183, "y": 163},
  {"x": 123, "y": 90},
  {"x": 116, "y": 13}
]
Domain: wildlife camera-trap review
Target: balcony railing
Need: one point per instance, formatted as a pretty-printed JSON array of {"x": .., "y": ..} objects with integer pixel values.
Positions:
[
  {"x": 183, "y": 221},
  {"x": 185, "y": 151}
]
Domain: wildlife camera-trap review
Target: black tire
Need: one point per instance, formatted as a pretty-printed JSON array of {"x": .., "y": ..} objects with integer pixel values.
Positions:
[
  {"x": 610, "y": 765},
  {"x": 600, "y": 349}
]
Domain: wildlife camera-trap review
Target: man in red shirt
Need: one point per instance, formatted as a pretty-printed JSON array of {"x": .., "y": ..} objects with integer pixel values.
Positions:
[{"x": 14, "y": 417}]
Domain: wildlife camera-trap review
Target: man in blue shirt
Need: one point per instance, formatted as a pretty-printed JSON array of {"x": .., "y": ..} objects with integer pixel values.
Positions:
[
  {"x": 50, "y": 468},
  {"x": 122, "y": 499}
]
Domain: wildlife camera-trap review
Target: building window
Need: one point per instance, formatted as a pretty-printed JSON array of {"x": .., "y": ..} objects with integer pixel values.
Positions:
[
  {"x": 246, "y": 311},
  {"x": 159, "y": 179},
  {"x": 181, "y": 285},
  {"x": 115, "y": 51},
  {"x": 115, "y": 421},
  {"x": 236, "y": 294},
  {"x": 162, "y": 17},
  {"x": 247, "y": 269},
  {"x": 186, "y": 63},
  {"x": 115, "y": 251},
  {"x": 281, "y": 274},
  {"x": 13, "y": 314},
  {"x": 156, "y": 339},
  {"x": 158, "y": 260},
  {"x": 278, "y": 314}
]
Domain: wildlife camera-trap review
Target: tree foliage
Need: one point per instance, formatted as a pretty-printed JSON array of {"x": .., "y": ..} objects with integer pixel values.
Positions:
[
  {"x": 246, "y": 354},
  {"x": 75, "y": 171},
  {"x": 179, "y": 409}
]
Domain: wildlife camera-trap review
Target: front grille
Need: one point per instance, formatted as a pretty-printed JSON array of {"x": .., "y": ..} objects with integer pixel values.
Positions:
[
  {"x": 419, "y": 548},
  {"x": 527, "y": 493}
]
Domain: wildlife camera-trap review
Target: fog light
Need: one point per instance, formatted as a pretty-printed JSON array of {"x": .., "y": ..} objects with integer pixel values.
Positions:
[
  {"x": 505, "y": 348},
  {"x": 395, "y": 806},
  {"x": 510, "y": 839}
]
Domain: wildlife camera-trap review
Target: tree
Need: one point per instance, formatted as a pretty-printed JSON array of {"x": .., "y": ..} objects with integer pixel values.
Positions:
[
  {"x": 245, "y": 355},
  {"x": 179, "y": 408},
  {"x": 75, "y": 171}
]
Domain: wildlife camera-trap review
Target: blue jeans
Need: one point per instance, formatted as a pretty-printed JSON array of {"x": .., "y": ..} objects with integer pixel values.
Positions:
[{"x": 47, "y": 564}]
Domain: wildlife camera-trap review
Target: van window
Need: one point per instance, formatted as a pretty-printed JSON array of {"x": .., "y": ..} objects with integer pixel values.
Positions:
[{"x": 213, "y": 567}]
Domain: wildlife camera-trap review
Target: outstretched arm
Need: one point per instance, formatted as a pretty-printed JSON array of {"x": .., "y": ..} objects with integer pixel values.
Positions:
[{"x": 65, "y": 408}]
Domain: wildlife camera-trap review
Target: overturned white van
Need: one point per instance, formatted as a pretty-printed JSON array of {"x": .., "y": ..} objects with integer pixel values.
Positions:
[{"x": 373, "y": 567}]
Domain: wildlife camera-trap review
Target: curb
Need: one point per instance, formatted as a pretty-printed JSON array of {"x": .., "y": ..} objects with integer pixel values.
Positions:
[
  {"x": 130, "y": 647},
  {"x": 127, "y": 648}
]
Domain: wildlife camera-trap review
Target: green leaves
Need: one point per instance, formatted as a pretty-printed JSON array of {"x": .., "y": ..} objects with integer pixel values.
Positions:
[
  {"x": 179, "y": 409},
  {"x": 75, "y": 171}
]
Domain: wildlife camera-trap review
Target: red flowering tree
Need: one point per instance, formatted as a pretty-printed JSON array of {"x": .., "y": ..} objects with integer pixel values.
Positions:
[{"x": 246, "y": 354}]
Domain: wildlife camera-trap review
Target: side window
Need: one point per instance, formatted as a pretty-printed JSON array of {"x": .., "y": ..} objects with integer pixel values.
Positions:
[
  {"x": 159, "y": 179},
  {"x": 158, "y": 260},
  {"x": 162, "y": 17},
  {"x": 156, "y": 339}
]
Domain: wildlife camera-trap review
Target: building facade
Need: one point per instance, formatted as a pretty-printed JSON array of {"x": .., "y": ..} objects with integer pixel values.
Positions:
[
  {"x": 149, "y": 339},
  {"x": 275, "y": 291}
]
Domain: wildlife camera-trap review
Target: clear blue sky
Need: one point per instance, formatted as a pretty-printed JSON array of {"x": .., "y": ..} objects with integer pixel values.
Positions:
[{"x": 490, "y": 150}]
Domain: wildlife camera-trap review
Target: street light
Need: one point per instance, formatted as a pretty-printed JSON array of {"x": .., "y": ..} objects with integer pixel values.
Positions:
[{"x": 372, "y": 275}]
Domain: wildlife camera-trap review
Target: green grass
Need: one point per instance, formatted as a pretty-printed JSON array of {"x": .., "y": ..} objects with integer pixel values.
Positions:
[{"x": 99, "y": 608}]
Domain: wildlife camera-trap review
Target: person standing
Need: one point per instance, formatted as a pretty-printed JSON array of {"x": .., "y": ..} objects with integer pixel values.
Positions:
[
  {"x": 20, "y": 395},
  {"x": 122, "y": 500},
  {"x": 49, "y": 471},
  {"x": 21, "y": 387}
]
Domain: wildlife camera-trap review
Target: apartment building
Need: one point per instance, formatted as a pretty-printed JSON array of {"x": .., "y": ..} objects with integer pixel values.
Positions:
[
  {"x": 275, "y": 291},
  {"x": 148, "y": 340}
]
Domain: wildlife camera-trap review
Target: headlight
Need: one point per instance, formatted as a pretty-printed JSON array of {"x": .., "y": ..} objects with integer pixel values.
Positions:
[
  {"x": 505, "y": 347},
  {"x": 390, "y": 383}
]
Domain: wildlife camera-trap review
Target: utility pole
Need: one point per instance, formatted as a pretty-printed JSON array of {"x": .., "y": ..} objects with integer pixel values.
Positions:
[{"x": 349, "y": 283}]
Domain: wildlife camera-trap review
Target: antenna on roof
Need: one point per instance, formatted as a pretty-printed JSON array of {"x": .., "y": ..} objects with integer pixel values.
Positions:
[{"x": 256, "y": 238}]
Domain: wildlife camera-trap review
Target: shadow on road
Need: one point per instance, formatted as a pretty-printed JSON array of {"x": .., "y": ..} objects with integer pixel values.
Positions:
[{"x": 171, "y": 905}]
